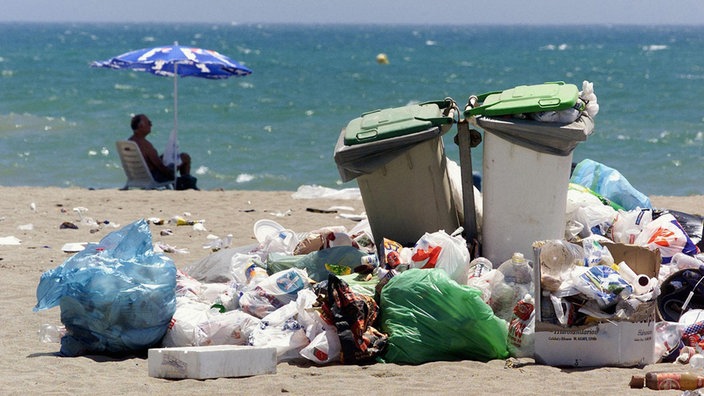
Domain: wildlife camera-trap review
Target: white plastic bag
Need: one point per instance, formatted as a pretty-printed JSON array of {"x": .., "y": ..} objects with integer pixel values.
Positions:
[
  {"x": 224, "y": 266},
  {"x": 452, "y": 257},
  {"x": 666, "y": 234},
  {"x": 183, "y": 329},
  {"x": 281, "y": 330},
  {"x": 324, "y": 348},
  {"x": 586, "y": 214},
  {"x": 274, "y": 292},
  {"x": 629, "y": 224},
  {"x": 454, "y": 172},
  {"x": 288, "y": 328},
  {"x": 227, "y": 328}
]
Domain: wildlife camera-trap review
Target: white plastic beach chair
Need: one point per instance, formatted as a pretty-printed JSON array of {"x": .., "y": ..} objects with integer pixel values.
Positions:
[{"x": 136, "y": 169}]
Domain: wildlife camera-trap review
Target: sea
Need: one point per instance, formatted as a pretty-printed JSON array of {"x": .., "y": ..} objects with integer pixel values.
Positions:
[{"x": 276, "y": 129}]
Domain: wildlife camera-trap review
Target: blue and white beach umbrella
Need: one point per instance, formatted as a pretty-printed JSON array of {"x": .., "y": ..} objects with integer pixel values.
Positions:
[{"x": 176, "y": 60}]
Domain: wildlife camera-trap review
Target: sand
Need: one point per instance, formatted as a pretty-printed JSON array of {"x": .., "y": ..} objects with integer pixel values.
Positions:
[{"x": 34, "y": 216}]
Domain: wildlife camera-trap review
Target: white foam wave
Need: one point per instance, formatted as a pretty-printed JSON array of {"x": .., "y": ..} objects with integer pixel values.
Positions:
[
  {"x": 654, "y": 47},
  {"x": 244, "y": 178}
]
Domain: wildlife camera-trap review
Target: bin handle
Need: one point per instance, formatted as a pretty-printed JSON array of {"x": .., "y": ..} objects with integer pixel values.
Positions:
[{"x": 447, "y": 105}]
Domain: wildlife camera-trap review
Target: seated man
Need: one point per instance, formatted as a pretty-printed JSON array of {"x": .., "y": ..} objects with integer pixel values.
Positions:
[{"x": 141, "y": 127}]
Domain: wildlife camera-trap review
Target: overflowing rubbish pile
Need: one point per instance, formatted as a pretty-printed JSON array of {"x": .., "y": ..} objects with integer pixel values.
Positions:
[
  {"x": 334, "y": 295},
  {"x": 301, "y": 291}
]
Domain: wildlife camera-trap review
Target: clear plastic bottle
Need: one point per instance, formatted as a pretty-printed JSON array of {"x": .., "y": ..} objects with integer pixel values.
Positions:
[
  {"x": 517, "y": 282},
  {"x": 49, "y": 333},
  {"x": 519, "y": 272},
  {"x": 668, "y": 340},
  {"x": 479, "y": 267}
]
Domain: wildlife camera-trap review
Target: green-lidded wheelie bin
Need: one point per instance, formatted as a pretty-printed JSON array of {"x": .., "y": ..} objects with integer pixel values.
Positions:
[
  {"x": 526, "y": 165},
  {"x": 398, "y": 158}
]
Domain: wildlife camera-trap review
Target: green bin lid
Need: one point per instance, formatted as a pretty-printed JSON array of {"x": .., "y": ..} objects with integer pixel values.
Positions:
[
  {"x": 526, "y": 99},
  {"x": 392, "y": 122}
]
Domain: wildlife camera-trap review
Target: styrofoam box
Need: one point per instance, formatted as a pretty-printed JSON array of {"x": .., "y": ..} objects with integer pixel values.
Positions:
[
  {"x": 213, "y": 361},
  {"x": 622, "y": 343}
]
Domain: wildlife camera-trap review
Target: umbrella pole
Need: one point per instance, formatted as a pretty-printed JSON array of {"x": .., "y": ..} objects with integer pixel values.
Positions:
[{"x": 177, "y": 154}]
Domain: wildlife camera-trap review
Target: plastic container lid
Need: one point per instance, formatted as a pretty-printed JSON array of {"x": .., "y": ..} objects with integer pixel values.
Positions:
[
  {"x": 392, "y": 122},
  {"x": 266, "y": 227},
  {"x": 526, "y": 99}
]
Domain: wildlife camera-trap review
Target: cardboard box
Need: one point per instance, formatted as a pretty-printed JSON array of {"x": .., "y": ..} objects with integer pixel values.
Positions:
[
  {"x": 213, "y": 361},
  {"x": 622, "y": 343}
]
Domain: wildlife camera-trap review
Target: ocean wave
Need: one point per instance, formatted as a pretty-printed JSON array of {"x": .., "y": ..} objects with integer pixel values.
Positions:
[
  {"x": 26, "y": 122},
  {"x": 654, "y": 47}
]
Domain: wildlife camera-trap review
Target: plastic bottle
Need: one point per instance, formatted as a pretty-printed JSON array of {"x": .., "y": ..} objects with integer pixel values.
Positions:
[
  {"x": 517, "y": 282},
  {"x": 479, "y": 266},
  {"x": 51, "y": 333},
  {"x": 668, "y": 340},
  {"x": 668, "y": 381}
]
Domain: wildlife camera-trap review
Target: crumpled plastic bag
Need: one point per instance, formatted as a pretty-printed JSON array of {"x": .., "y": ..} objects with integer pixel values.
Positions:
[
  {"x": 116, "y": 297},
  {"x": 290, "y": 328},
  {"x": 629, "y": 224},
  {"x": 586, "y": 213},
  {"x": 197, "y": 324},
  {"x": 603, "y": 285},
  {"x": 221, "y": 266},
  {"x": 317, "y": 263},
  {"x": 609, "y": 183},
  {"x": 429, "y": 317},
  {"x": 442, "y": 251},
  {"x": 667, "y": 235},
  {"x": 274, "y": 291}
]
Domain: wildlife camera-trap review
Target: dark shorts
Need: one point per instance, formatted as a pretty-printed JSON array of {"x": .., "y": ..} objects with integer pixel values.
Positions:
[{"x": 160, "y": 177}]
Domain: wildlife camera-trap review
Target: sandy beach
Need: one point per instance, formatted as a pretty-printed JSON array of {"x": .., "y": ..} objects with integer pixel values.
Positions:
[{"x": 34, "y": 216}]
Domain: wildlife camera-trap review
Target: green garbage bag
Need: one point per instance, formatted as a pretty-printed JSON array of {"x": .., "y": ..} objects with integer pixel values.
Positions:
[{"x": 430, "y": 317}]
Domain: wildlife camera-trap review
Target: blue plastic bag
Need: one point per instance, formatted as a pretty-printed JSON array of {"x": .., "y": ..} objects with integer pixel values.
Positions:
[
  {"x": 116, "y": 297},
  {"x": 609, "y": 183}
]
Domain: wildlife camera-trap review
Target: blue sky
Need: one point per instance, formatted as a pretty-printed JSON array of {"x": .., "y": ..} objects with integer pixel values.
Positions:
[{"x": 641, "y": 12}]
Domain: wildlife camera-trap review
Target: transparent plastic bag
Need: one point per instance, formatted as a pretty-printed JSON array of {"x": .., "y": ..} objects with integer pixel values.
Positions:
[
  {"x": 116, "y": 297},
  {"x": 274, "y": 291},
  {"x": 603, "y": 285},
  {"x": 609, "y": 183}
]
